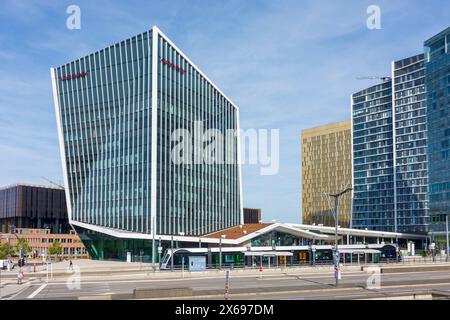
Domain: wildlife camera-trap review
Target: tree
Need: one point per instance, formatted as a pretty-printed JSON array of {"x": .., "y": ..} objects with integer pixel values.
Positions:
[
  {"x": 441, "y": 244},
  {"x": 424, "y": 253},
  {"x": 25, "y": 245},
  {"x": 55, "y": 249},
  {"x": 5, "y": 250}
]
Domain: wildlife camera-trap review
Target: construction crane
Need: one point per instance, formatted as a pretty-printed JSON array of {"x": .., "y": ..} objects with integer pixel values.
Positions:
[
  {"x": 384, "y": 79},
  {"x": 52, "y": 182}
]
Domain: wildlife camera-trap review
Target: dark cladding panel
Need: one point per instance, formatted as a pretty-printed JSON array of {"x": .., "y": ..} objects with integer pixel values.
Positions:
[
  {"x": 32, "y": 207},
  {"x": 252, "y": 215}
]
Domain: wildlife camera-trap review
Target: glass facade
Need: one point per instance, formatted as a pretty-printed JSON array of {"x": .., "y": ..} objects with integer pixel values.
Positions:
[
  {"x": 373, "y": 166},
  {"x": 390, "y": 162},
  {"x": 195, "y": 198},
  {"x": 326, "y": 167},
  {"x": 437, "y": 75},
  {"x": 104, "y": 102},
  {"x": 116, "y": 110},
  {"x": 410, "y": 125}
]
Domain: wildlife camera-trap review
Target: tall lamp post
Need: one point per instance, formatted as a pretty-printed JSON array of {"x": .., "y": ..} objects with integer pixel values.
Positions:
[
  {"x": 159, "y": 253},
  {"x": 336, "y": 197},
  {"x": 220, "y": 250},
  {"x": 446, "y": 235},
  {"x": 153, "y": 244},
  {"x": 171, "y": 251},
  {"x": 181, "y": 234}
]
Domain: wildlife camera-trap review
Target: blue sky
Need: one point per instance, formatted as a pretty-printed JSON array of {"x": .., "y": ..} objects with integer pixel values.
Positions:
[{"x": 287, "y": 65}]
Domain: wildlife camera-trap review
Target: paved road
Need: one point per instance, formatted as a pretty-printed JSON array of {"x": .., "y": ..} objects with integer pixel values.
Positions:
[{"x": 275, "y": 286}]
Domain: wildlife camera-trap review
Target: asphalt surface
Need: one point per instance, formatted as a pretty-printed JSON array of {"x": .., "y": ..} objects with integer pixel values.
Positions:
[{"x": 353, "y": 285}]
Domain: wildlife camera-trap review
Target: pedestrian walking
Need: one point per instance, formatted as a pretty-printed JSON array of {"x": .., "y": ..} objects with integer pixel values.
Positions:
[
  {"x": 19, "y": 277},
  {"x": 70, "y": 265}
]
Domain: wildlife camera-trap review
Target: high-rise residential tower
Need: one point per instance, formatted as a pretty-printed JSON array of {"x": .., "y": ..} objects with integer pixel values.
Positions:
[
  {"x": 373, "y": 165},
  {"x": 117, "y": 110},
  {"x": 410, "y": 145},
  {"x": 437, "y": 79},
  {"x": 326, "y": 168},
  {"x": 390, "y": 173}
]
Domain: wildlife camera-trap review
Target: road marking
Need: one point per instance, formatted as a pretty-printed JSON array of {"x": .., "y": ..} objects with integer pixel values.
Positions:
[
  {"x": 35, "y": 293},
  {"x": 299, "y": 275},
  {"x": 289, "y": 277},
  {"x": 27, "y": 286},
  {"x": 98, "y": 280},
  {"x": 301, "y": 291}
]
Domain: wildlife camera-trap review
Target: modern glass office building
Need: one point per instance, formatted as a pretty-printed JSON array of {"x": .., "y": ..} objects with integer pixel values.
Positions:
[
  {"x": 373, "y": 166},
  {"x": 116, "y": 112},
  {"x": 437, "y": 76},
  {"x": 410, "y": 147}
]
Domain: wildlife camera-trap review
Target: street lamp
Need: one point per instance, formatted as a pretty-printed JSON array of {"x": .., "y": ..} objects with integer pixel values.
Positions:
[
  {"x": 181, "y": 234},
  {"x": 159, "y": 253},
  {"x": 446, "y": 235},
  {"x": 153, "y": 244},
  {"x": 220, "y": 249},
  {"x": 336, "y": 197},
  {"x": 171, "y": 251}
]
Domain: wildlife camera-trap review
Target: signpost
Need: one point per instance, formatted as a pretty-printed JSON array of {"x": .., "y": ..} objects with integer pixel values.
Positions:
[
  {"x": 182, "y": 267},
  {"x": 260, "y": 268},
  {"x": 433, "y": 251},
  {"x": 227, "y": 284},
  {"x": 160, "y": 249},
  {"x": 314, "y": 256},
  {"x": 34, "y": 258}
]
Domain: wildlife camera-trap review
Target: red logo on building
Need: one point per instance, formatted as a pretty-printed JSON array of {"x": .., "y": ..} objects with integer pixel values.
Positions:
[
  {"x": 170, "y": 64},
  {"x": 73, "y": 76}
]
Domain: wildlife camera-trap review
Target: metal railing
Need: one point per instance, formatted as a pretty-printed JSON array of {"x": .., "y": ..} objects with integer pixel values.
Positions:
[{"x": 317, "y": 263}]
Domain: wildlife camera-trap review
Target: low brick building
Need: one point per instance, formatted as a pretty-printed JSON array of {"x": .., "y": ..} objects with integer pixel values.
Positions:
[{"x": 41, "y": 240}]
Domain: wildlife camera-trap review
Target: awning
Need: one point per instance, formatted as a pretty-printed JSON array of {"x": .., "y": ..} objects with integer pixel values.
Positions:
[
  {"x": 268, "y": 253},
  {"x": 359, "y": 251}
]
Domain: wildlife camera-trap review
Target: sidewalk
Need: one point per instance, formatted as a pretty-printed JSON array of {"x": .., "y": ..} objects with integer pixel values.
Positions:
[
  {"x": 110, "y": 268},
  {"x": 91, "y": 267}
]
